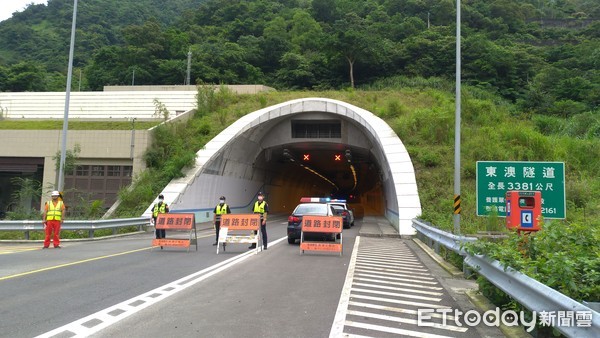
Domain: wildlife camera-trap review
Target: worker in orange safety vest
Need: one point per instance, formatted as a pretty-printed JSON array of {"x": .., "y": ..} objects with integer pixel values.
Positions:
[{"x": 53, "y": 218}]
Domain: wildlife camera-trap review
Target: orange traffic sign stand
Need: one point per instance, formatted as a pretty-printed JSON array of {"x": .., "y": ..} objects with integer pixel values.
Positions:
[
  {"x": 240, "y": 228},
  {"x": 177, "y": 222},
  {"x": 324, "y": 225}
]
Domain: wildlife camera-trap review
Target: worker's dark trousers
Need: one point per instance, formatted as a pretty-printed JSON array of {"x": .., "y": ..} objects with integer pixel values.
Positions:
[
  {"x": 160, "y": 233},
  {"x": 217, "y": 228},
  {"x": 263, "y": 234}
]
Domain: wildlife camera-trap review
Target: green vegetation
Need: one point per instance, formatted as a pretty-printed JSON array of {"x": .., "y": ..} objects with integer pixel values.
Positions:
[
  {"x": 563, "y": 256},
  {"x": 566, "y": 257},
  {"x": 530, "y": 69},
  {"x": 541, "y": 54}
]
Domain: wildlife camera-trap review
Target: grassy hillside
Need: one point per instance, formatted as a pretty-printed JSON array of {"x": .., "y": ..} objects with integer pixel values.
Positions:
[{"x": 421, "y": 112}]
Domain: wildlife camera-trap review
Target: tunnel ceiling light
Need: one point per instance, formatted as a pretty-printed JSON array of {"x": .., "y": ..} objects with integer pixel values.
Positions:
[
  {"x": 354, "y": 175},
  {"x": 321, "y": 176}
]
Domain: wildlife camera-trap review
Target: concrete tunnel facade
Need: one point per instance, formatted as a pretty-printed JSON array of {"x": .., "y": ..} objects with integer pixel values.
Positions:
[{"x": 245, "y": 158}]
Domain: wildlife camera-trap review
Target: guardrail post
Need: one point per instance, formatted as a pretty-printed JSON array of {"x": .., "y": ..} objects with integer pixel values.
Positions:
[
  {"x": 467, "y": 270},
  {"x": 91, "y": 233},
  {"x": 27, "y": 235},
  {"x": 114, "y": 231}
]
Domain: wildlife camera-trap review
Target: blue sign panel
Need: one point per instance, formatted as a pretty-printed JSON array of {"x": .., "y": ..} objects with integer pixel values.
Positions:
[{"x": 527, "y": 218}]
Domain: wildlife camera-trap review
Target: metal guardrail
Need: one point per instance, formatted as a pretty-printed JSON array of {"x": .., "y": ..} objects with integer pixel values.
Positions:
[
  {"x": 450, "y": 241},
  {"x": 532, "y": 294},
  {"x": 89, "y": 225}
]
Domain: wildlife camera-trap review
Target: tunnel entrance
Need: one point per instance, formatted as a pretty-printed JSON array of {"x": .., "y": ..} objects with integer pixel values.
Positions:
[
  {"x": 319, "y": 169},
  {"x": 305, "y": 147}
]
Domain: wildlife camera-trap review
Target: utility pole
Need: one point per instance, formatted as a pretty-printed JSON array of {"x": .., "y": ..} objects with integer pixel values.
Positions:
[
  {"x": 63, "y": 148},
  {"x": 456, "y": 215},
  {"x": 132, "y": 138},
  {"x": 189, "y": 67}
]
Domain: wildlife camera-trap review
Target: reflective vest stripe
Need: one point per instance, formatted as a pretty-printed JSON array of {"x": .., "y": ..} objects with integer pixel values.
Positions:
[{"x": 54, "y": 212}]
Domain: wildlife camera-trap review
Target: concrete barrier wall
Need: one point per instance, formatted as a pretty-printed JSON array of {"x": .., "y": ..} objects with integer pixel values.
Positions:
[
  {"x": 116, "y": 102},
  {"x": 238, "y": 89},
  {"x": 97, "y": 146}
]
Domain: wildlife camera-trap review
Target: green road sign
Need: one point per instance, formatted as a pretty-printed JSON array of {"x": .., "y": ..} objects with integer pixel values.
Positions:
[{"x": 495, "y": 178}]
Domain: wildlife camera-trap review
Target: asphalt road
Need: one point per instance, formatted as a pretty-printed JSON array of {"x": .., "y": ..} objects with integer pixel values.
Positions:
[
  {"x": 122, "y": 288},
  {"x": 42, "y": 290}
]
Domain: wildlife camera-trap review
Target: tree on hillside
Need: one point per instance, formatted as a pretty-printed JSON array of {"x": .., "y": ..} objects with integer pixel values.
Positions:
[
  {"x": 107, "y": 67},
  {"x": 25, "y": 76},
  {"x": 275, "y": 44},
  {"x": 351, "y": 40},
  {"x": 324, "y": 11}
]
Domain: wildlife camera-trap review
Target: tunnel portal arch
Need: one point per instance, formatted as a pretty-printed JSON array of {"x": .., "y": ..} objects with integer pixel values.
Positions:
[{"x": 235, "y": 163}]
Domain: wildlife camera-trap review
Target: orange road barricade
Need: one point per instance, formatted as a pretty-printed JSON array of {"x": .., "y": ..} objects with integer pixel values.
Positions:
[
  {"x": 237, "y": 228},
  {"x": 177, "y": 222},
  {"x": 325, "y": 225}
]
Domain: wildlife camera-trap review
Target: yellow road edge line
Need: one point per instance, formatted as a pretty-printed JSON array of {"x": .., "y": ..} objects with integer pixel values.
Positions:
[
  {"x": 5, "y": 252},
  {"x": 72, "y": 263}
]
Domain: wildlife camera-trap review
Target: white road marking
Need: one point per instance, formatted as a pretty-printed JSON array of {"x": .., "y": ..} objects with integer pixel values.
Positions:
[
  {"x": 412, "y": 281},
  {"x": 402, "y": 295},
  {"x": 378, "y": 286},
  {"x": 389, "y": 255},
  {"x": 404, "y": 320},
  {"x": 395, "y": 261},
  {"x": 398, "y": 301},
  {"x": 385, "y": 286},
  {"x": 390, "y": 272},
  {"x": 386, "y": 329},
  {"x": 399, "y": 310},
  {"x": 393, "y": 265},
  {"x": 399, "y": 284},
  {"x": 340, "y": 315},
  {"x": 102, "y": 319}
]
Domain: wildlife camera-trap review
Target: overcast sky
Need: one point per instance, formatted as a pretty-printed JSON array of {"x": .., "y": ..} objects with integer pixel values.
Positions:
[{"x": 8, "y": 7}]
